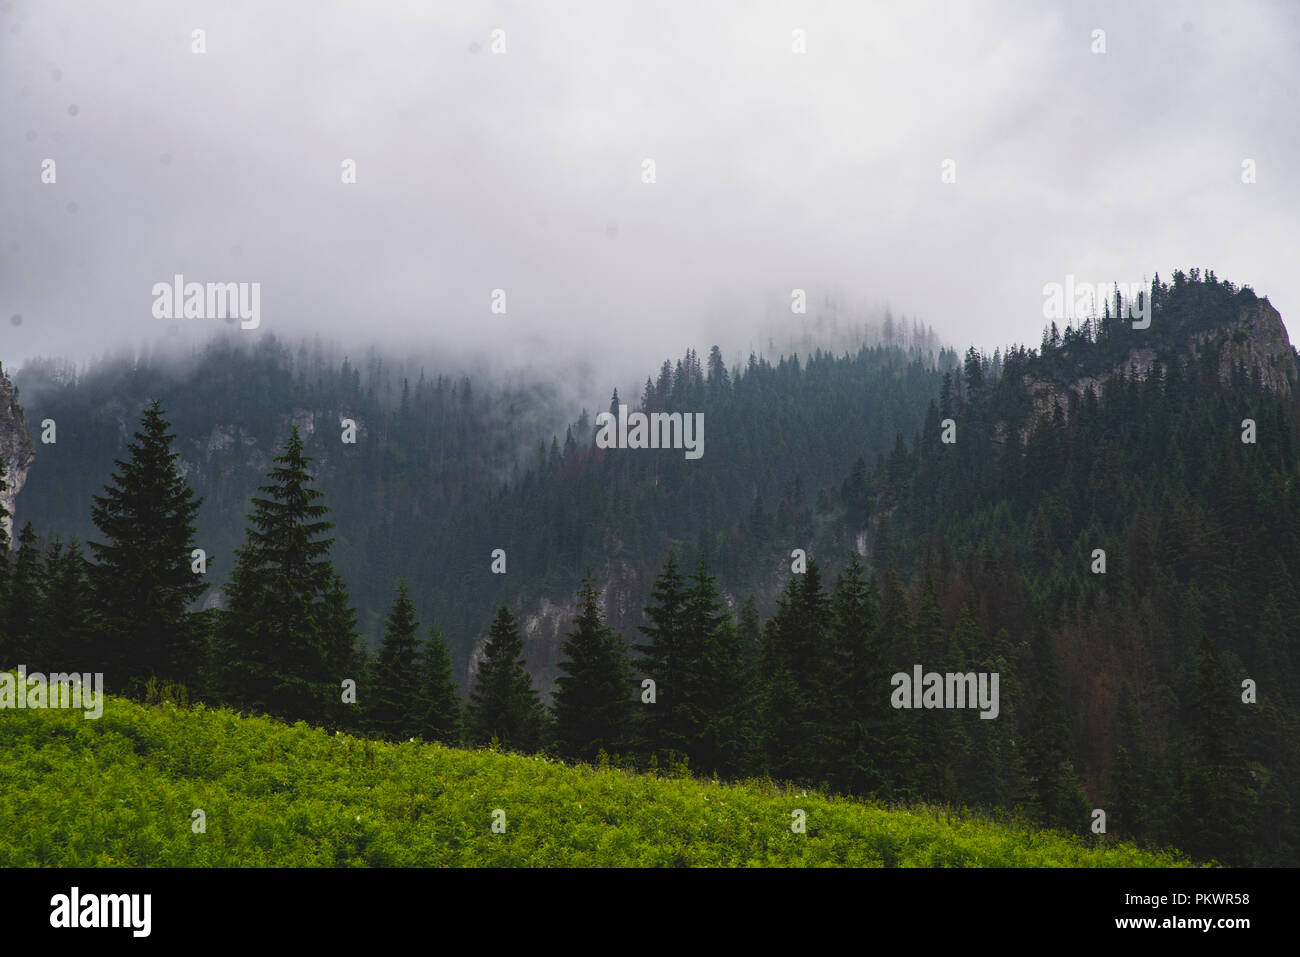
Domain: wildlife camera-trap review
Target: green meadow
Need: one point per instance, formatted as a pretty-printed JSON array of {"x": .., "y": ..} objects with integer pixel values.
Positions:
[{"x": 123, "y": 790}]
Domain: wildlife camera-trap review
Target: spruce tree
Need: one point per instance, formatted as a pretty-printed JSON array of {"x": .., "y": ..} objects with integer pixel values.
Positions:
[
  {"x": 898, "y": 645},
  {"x": 671, "y": 724},
  {"x": 1057, "y": 797},
  {"x": 859, "y": 686},
  {"x": 4, "y": 571},
  {"x": 143, "y": 581},
  {"x": 24, "y": 599},
  {"x": 5, "y": 521},
  {"x": 1129, "y": 775},
  {"x": 796, "y": 671},
  {"x": 593, "y": 697},
  {"x": 441, "y": 713},
  {"x": 65, "y": 619},
  {"x": 282, "y": 634},
  {"x": 731, "y": 686},
  {"x": 392, "y": 702},
  {"x": 503, "y": 704},
  {"x": 342, "y": 657}
]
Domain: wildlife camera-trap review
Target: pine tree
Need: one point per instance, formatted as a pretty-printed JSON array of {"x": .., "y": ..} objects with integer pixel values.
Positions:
[
  {"x": 670, "y": 726},
  {"x": 707, "y": 679},
  {"x": 1129, "y": 817},
  {"x": 279, "y": 635},
  {"x": 5, "y": 572},
  {"x": 933, "y": 729},
  {"x": 503, "y": 704},
  {"x": 392, "y": 704},
  {"x": 441, "y": 713},
  {"x": 731, "y": 687},
  {"x": 1219, "y": 806},
  {"x": 859, "y": 685},
  {"x": 1057, "y": 797},
  {"x": 343, "y": 660},
  {"x": 24, "y": 598},
  {"x": 898, "y": 647},
  {"x": 65, "y": 620},
  {"x": 143, "y": 581},
  {"x": 593, "y": 696},
  {"x": 796, "y": 673}
]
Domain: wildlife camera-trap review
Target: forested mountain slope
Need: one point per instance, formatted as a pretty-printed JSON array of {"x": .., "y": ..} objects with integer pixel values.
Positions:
[
  {"x": 444, "y": 471},
  {"x": 1173, "y": 451}
]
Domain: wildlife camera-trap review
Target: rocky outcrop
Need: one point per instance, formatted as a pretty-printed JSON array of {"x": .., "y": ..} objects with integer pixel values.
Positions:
[
  {"x": 1255, "y": 339},
  {"x": 16, "y": 451}
]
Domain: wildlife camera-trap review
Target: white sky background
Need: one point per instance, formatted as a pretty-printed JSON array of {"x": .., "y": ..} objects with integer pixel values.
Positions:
[{"x": 523, "y": 171}]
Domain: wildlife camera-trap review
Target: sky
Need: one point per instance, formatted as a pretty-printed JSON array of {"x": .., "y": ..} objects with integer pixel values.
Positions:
[{"x": 503, "y": 146}]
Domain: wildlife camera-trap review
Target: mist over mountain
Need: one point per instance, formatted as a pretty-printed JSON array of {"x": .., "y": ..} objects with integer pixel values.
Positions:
[{"x": 892, "y": 403}]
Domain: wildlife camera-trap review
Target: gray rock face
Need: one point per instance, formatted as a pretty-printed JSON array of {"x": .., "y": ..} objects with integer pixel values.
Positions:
[
  {"x": 16, "y": 451},
  {"x": 1255, "y": 340}
]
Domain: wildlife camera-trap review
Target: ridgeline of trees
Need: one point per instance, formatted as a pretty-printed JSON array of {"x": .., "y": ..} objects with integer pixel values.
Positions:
[
  {"x": 1123, "y": 684},
  {"x": 444, "y": 471}
]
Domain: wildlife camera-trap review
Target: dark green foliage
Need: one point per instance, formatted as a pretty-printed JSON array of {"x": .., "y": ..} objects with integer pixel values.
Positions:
[
  {"x": 393, "y": 705},
  {"x": 441, "y": 713},
  {"x": 23, "y": 600},
  {"x": 65, "y": 621},
  {"x": 593, "y": 697},
  {"x": 674, "y": 723},
  {"x": 1124, "y": 686},
  {"x": 859, "y": 686},
  {"x": 503, "y": 706},
  {"x": 797, "y": 675},
  {"x": 284, "y": 629},
  {"x": 4, "y": 567},
  {"x": 446, "y": 464},
  {"x": 143, "y": 580}
]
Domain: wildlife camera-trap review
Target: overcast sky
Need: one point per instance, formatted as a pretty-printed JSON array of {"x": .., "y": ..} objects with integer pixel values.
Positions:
[{"x": 523, "y": 170}]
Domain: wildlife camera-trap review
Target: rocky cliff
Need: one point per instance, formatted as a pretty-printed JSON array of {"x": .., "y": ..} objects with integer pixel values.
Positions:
[
  {"x": 1253, "y": 339},
  {"x": 16, "y": 452}
]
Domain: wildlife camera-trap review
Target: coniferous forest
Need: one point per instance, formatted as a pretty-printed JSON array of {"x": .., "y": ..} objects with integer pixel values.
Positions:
[
  {"x": 562, "y": 440},
  {"x": 1108, "y": 522}
]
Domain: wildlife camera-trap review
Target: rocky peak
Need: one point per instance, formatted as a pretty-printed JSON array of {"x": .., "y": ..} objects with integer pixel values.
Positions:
[
  {"x": 16, "y": 451},
  {"x": 1253, "y": 338},
  {"x": 1257, "y": 340}
]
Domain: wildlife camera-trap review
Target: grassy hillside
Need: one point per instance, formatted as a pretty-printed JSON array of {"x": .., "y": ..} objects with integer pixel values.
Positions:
[{"x": 120, "y": 790}]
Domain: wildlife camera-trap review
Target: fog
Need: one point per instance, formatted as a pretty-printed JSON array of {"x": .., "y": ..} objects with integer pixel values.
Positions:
[{"x": 523, "y": 170}]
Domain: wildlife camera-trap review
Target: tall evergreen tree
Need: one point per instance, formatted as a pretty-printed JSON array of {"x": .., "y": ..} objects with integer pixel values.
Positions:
[
  {"x": 593, "y": 697},
  {"x": 143, "y": 581},
  {"x": 343, "y": 660},
  {"x": 277, "y": 653},
  {"x": 859, "y": 685},
  {"x": 5, "y": 518},
  {"x": 1056, "y": 795},
  {"x": 441, "y": 719},
  {"x": 731, "y": 685},
  {"x": 393, "y": 706},
  {"x": 672, "y": 723},
  {"x": 65, "y": 623},
  {"x": 796, "y": 672},
  {"x": 23, "y": 600},
  {"x": 898, "y": 646},
  {"x": 503, "y": 703}
]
